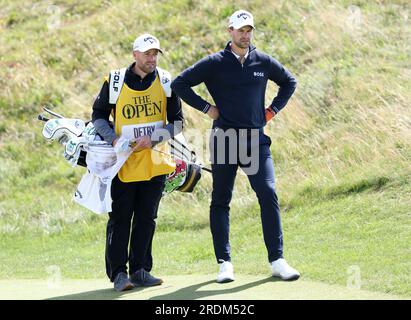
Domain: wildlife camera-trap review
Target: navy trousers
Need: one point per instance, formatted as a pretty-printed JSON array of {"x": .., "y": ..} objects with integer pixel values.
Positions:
[
  {"x": 134, "y": 207},
  {"x": 263, "y": 184}
]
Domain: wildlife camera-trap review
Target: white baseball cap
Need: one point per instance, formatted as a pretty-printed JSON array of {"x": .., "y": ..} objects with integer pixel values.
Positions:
[
  {"x": 146, "y": 42},
  {"x": 240, "y": 19}
]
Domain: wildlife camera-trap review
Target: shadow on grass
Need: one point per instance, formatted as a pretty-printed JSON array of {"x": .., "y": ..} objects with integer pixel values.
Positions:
[
  {"x": 372, "y": 184},
  {"x": 191, "y": 293},
  {"x": 101, "y": 294},
  {"x": 185, "y": 293}
]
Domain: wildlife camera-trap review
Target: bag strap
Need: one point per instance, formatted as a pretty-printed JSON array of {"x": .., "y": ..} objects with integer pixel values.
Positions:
[
  {"x": 165, "y": 80},
  {"x": 116, "y": 81}
]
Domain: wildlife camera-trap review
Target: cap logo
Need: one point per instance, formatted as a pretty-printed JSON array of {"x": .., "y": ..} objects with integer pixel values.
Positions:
[
  {"x": 151, "y": 39},
  {"x": 244, "y": 16}
]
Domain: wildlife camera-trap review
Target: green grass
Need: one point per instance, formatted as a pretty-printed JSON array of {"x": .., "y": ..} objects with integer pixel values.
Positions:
[
  {"x": 341, "y": 147},
  {"x": 186, "y": 287},
  {"x": 325, "y": 236}
]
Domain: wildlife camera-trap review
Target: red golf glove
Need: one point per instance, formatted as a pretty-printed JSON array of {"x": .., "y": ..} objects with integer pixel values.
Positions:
[{"x": 269, "y": 114}]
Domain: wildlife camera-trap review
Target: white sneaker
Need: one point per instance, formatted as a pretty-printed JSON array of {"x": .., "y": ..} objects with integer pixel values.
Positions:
[
  {"x": 226, "y": 273},
  {"x": 281, "y": 269}
]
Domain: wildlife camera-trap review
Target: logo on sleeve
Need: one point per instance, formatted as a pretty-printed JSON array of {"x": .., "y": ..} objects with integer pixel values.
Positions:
[{"x": 258, "y": 74}]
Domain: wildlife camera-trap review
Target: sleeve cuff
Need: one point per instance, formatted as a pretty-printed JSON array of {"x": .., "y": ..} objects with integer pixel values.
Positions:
[
  {"x": 275, "y": 109},
  {"x": 111, "y": 138},
  {"x": 206, "y": 108}
]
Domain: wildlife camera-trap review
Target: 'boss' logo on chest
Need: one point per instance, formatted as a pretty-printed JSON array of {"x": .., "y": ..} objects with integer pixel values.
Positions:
[{"x": 258, "y": 74}]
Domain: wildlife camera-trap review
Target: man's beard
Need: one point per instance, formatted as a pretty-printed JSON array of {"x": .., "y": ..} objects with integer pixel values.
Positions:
[
  {"x": 242, "y": 45},
  {"x": 147, "y": 69}
]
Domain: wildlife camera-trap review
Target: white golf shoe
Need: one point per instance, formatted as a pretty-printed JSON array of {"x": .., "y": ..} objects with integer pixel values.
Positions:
[
  {"x": 281, "y": 269},
  {"x": 226, "y": 273}
]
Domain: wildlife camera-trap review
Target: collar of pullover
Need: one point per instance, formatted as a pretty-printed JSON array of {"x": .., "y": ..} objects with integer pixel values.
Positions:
[
  {"x": 228, "y": 48},
  {"x": 135, "y": 77}
]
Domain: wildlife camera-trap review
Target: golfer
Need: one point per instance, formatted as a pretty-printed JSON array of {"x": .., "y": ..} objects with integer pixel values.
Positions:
[
  {"x": 236, "y": 78},
  {"x": 141, "y": 102}
]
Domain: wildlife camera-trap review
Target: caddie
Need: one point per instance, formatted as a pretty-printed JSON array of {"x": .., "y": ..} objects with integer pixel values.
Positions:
[{"x": 142, "y": 105}]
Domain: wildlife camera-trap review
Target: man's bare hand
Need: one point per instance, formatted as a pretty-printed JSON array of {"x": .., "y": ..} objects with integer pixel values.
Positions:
[
  {"x": 141, "y": 143},
  {"x": 213, "y": 113}
]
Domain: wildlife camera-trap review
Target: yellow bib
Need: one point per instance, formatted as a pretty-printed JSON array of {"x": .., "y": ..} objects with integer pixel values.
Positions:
[{"x": 139, "y": 113}]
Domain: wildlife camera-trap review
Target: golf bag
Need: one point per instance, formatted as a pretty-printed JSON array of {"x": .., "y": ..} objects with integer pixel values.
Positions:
[{"x": 78, "y": 136}]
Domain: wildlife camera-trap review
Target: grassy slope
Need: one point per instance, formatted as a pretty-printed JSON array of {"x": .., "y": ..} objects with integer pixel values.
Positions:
[{"x": 341, "y": 147}]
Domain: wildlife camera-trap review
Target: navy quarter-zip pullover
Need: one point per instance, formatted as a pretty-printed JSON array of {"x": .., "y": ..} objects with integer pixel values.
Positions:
[{"x": 238, "y": 90}]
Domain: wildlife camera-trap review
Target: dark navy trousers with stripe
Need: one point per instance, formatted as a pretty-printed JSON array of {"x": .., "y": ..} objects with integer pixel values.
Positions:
[
  {"x": 263, "y": 184},
  {"x": 131, "y": 225}
]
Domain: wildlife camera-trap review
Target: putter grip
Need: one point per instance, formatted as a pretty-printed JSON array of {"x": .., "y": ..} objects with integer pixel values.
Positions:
[{"x": 42, "y": 118}]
